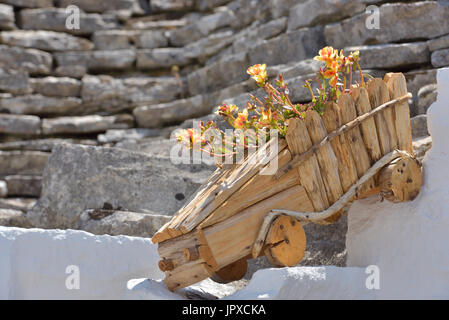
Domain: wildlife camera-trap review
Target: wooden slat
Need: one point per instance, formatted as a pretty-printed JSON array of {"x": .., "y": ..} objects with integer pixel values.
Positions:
[
  {"x": 397, "y": 87},
  {"x": 233, "y": 238},
  {"x": 168, "y": 230},
  {"x": 232, "y": 183},
  {"x": 299, "y": 141},
  {"x": 259, "y": 187},
  {"x": 386, "y": 132},
  {"x": 326, "y": 157},
  {"x": 186, "y": 275},
  {"x": 354, "y": 136},
  {"x": 346, "y": 165},
  {"x": 368, "y": 127}
]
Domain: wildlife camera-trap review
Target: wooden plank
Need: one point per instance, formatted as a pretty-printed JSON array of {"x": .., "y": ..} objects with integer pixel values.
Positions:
[
  {"x": 354, "y": 136},
  {"x": 232, "y": 183},
  {"x": 260, "y": 187},
  {"x": 218, "y": 189},
  {"x": 233, "y": 238},
  {"x": 397, "y": 87},
  {"x": 346, "y": 165},
  {"x": 386, "y": 132},
  {"x": 299, "y": 141},
  {"x": 326, "y": 157},
  {"x": 186, "y": 275},
  {"x": 368, "y": 127}
]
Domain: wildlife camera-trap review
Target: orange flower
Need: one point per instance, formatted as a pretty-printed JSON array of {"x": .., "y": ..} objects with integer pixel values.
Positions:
[
  {"x": 327, "y": 55},
  {"x": 258, "y": 73},
  {"x": 189, "y": 137},
  {"x": 241, "y": 119},
  {"x": 331, "y": 72},
  {"x": 333, "y": 81}
]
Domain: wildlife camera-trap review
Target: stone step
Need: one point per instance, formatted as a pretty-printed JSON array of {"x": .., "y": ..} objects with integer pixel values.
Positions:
[
  {"x": 37, "y": 104},
  {"x": 36, "y": 62},
  {"x": 155, "y": 116},
  {"x": 21, "y": 204},
  {"x": 86, "y": 124},
  {"x": 54, "y": 19},
  {"x": 45, "y": 145},
  {"x": 14, "y": 218},
  {"x": 23, "y": 186},
  {"x": 20, "y": 124},
  {"x": 7, "y": 19},
  {"x": 120, "y": 222},
  {"x": 23, "y": 162},
  {"x": 45, "y": 40}
]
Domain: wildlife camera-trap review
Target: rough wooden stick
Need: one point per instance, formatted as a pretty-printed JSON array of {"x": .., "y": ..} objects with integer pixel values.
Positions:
[
  {"x": 346, "y": 166},
  {"x": 315, "y": 216},
  {"x": 298, "y": 159},
  {"x": 326, "y": 157},
  {"x": 309, "y": 172},
  {"x": 378, "y": 95},
  {"x": 368, "y": 128},
  {"x": 397, "y": 86}
]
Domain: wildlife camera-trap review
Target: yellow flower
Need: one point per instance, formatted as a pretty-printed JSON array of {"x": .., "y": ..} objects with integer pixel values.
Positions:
[
  {"x": 241, "y": 119},
  {"x": 226, "y": 110},
  {"x": 258, "y": 73}
]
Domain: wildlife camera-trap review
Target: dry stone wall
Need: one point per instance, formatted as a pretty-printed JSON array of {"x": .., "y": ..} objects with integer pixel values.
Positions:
[{"x": 137, "y": 69}]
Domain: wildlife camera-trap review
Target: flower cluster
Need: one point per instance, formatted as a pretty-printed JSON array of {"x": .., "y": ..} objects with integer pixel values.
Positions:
[
  {"x": 337, "y": 67},
  {"x": 272, "y": 112}
]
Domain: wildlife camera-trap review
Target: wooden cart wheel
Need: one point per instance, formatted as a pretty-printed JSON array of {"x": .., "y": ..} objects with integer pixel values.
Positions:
[
  {"x": 401, "y": 179},
  {"x": 285, "y": 242},
  {"x": 233, "y": 272}
]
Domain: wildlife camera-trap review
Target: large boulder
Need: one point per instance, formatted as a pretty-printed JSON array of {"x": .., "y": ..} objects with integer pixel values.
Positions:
[{"x": 81, "y": 177}]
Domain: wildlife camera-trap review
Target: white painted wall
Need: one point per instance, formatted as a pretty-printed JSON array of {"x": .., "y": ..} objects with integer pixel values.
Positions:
[
  {"x": 409, "y": 241},
  {"x": 33, "y": 263}
]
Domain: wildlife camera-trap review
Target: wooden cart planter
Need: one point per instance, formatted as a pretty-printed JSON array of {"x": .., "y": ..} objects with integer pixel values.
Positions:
[{"x": 358, "y": 147}]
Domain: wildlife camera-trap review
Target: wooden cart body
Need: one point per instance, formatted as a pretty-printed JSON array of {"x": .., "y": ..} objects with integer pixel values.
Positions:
[{"x": 324, "y": 161}]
